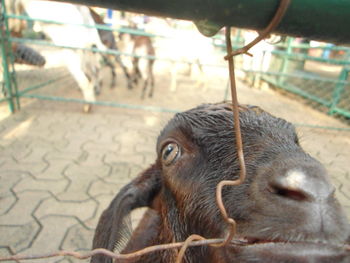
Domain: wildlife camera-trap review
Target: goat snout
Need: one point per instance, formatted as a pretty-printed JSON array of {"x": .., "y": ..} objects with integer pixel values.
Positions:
[
  {"x": 300, "y": 185},
  {"x": 299, "y": 189}
]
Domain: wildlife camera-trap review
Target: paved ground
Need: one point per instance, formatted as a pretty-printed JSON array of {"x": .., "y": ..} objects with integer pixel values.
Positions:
[{"x": 59, "y": 167}]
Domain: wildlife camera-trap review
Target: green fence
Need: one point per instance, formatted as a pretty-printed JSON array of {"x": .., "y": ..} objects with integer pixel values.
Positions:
[{"x": 318, "y": 74}]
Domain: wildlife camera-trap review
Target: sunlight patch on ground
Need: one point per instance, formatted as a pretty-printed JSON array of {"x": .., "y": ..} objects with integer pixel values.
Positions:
[
  {"x": 4, "y": 112},
  {"x": 20, "y": 130},
  {"x": 151, "y": 121}
]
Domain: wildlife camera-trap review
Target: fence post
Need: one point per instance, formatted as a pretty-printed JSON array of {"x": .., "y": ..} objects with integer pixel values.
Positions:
[
  {"x": 339, "y": 88},
  {"x": 285, "y": 61},
  {"x": 8, "y": 58},
  {"x": 6, "y": 76}
]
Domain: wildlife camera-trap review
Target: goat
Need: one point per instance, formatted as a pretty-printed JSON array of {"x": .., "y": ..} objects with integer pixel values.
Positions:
[
  {"x": 108, "y": 40},
  {"x": 90, "y": 65},
  {"x": 69, "y": 35},
  {"x": 142, "y": 46},
  {"x": 142, "y": 69},
  {"x": 285, "y": 210},
  {"x": 186, "y": 49}
]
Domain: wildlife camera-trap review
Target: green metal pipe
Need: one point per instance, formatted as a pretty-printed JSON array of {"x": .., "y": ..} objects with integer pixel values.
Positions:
[
  {"x": 325, "y": 20},
  {"x": 285, "y": 61},
  {"x": 300, "y": 56},
  {"x": 107, "y": 51},
  {"x": 342, "y": 112},
  {"x": 298, "y": 91},
  {"x": 143, "y": 33},
  {"x": 6, "y": 76},
  {"x": 322, "y": 127},
  {"x": 102, "y": 103},
  {"x": 102, "y": 27},
  {"x": 46, "y": 83},
  {"x": 5, "y": 47},
  {"x": 153, "y": 109},
  {"x": 14, "y": 102},
  {"x": 339, "y": 89},
  {"x": 307, "y": 46},
  {"x": 297, "y": 75}
]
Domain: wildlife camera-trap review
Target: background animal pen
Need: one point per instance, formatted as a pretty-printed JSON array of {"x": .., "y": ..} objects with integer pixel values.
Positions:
[{"x": 319, "y": 74}]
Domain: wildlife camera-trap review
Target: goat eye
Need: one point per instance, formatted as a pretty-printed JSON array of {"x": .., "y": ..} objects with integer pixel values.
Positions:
[{"x": 170, "y": 152}]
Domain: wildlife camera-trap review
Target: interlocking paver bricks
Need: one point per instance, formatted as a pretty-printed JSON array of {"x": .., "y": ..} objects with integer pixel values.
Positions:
[
  {"x": 53, "y": 231},
  {"x": 17, "y": 151},
  {"x": 7, "y": 202},
  {"x": 79, "y": 177},
  {"x": 79, "y": 209},
  {"x": 99, "y": 187},
  {"x": 19, "y": 237},
  {"x": 77, "y": 236},
  {"x": 22, "y": 211},
  {"x": 130, "y": 157},
  {"x": 103, "y": 200},
  {"x": 54, "y": 169},
  {"x": 54, "y": 186},
  {"x": 8, "y": 179},
  {"x": 33, "y": 168}
]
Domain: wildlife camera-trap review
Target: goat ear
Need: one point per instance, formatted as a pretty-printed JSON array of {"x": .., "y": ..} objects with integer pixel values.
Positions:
[{"x": 139, "y": 193}]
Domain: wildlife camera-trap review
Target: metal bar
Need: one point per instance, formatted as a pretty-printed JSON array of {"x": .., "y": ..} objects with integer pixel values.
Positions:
[
  {"x": 166, "y": 110},
  {"x": 285, "y": 61},
  {"x": 102, "y": 103},
  {"x": 339, "y": 88},
  {"x": 6, "y": 76},
  {"x": 300, "y": 46},
  {"x": 301, "y": 56},
  {"x": 98, "y": 26},
  {"x": 299, "y": 75},
  {"x": 307, "y": 46},
  {"x": 4, "y": 51},
  {"x": 131, "y": 31},
  {"x": 20, "y": 93},
  {"x": 108, "y": 51},
  {"x": 322, "y": 127},
  {"x": 12, "y": 61},
  {"x": 341, "y": 111},
  {"x": 300, "y": 92},
  {"x": 325, "y": 20}
]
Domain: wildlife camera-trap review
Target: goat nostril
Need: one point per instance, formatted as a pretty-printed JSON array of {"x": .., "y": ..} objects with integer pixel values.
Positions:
[{"x": 289, "y": 193}]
